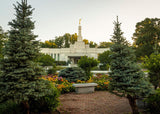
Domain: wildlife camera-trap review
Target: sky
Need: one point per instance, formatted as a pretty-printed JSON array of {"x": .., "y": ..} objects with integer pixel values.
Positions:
[{"x": 57, "y": 17}]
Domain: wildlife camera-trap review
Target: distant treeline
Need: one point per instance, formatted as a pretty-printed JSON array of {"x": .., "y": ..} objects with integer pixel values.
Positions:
[{"x": 67, "y": 39}]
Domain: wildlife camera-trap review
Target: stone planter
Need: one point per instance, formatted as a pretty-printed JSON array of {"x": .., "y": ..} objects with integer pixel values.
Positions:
[{"x": 85, "y": 87}]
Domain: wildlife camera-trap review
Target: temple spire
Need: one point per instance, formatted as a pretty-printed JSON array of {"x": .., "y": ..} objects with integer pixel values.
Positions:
[{"x": 79, "y": 31}]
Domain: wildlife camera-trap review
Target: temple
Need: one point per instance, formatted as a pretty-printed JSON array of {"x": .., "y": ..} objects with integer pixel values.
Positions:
[{"x": 75, "y": 51}]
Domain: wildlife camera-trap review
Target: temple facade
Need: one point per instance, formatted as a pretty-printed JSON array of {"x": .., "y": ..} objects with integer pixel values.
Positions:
[{"x": 75, "y": 52}]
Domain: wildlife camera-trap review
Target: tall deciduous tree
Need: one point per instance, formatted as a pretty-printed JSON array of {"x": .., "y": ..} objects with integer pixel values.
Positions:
[
  {"x": 152, "y": 63},
  {"x": 105, "y": 59},
  {"x": 146, "y": 36},
  {"x": 92, "y": 44},
  {"x": 73, "y": 38},
  {"x": 126, "y": 79},
  {"x": 59, "y": 41},
  {"x": 20, "y": 79},
  {"x": 105, "y": 44},
  {"x": 85, "y": 41},
  {"x": 66, "y": 38}
]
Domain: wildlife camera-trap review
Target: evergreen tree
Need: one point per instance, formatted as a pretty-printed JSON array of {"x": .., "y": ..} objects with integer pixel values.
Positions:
[
  {"x": 20, "y": 79},
  {"x": 3, "y": 38},
  {"x": 126, "y": 78}
]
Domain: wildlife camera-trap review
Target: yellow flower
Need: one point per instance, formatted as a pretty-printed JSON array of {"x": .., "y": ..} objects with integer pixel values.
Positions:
[{"x": 89, "y": 81}]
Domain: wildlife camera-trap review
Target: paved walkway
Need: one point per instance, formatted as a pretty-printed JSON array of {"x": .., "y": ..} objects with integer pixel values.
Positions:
[{"x": 99, "y": 102}]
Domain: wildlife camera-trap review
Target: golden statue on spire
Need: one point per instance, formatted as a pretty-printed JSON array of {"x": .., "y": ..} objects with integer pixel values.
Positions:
[{"x": 80, "y": 21}]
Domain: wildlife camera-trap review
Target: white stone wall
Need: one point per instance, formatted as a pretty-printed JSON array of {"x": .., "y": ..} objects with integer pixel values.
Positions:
[{"x": 65, "y": 52}]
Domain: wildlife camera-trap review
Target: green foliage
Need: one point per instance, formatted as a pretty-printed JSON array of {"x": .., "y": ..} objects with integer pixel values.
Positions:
[
  {"x": 72, "y": 74},
  {"x": 145, "y": 36},
  {"x": 61, "y": 63},
  {"x": 126, "y": 78},
  {"x": 3, "y": 38},
  {"x": 60, "y": 42},
  {"x": 105, "y": 44},
  {"x": 60, "y": 83},
  {"x": 65, "y": 41},
  {"x": 105, "y": 59},
  {"x": 87, "y": 63},
  {"x": 152, "y": 63},
  {"x": 10, "y": 107},
  {"x": 20, "y": 78},
  {"x": 51, "y": 70},
  {"x": 46, "y": 103},
  {"x": 48, "y": 44},
  {"x": 59, "y": 68},
  {"x": 153, "y": 102},
  {"x": 102, "y": 81},
  {"x": 67, "y": 87},
  {"x": 92, "y": 44},
  {"x": 46, "y": 60},
  {"x": 104, "y": 67}
]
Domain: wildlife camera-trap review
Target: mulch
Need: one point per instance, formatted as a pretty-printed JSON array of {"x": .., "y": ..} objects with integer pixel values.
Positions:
[{"x": 99, "y": 102}]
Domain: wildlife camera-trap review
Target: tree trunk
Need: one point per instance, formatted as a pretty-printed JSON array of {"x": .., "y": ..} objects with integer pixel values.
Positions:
[
  {"x": 132, "y": 102},
  {"x": 26, "y": 106}
]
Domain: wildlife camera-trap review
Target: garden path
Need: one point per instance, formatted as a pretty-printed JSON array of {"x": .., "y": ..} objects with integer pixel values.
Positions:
[{"x": 99, "y": 102}]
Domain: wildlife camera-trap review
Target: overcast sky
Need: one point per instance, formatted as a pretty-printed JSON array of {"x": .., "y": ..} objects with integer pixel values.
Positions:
[{"x": 57, "y": 17}]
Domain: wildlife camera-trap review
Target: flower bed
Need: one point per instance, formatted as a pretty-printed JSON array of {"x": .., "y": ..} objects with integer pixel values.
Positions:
[{"x": 65, "y": 87}]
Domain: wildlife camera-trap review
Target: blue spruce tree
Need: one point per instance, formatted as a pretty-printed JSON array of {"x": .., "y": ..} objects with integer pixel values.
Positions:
[
  {"x": 126, "y": 78},
  {"x": 20, "y": 78}
]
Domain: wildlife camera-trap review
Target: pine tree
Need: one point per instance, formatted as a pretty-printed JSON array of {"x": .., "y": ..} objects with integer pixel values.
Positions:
[
  {"x": 20, "y": 79},
  {"x": 126, "y": 79}
]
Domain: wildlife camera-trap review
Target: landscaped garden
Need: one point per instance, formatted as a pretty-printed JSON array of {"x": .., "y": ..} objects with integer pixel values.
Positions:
[
  {"x": 25, "y": 88},
  {"x": 64, "y": 86}
]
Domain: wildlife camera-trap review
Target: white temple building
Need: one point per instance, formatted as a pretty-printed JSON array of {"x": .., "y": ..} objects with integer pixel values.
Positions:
[{"x": 75, "y": 52}]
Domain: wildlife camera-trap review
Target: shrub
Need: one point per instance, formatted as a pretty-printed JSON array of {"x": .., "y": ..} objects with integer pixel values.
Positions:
[
  {"x": 87, "y": 63},
  {"x": 65, "y": 87},
  {"x": 61, "y": 84},
  {"x": 61, "y": 63},
  {"x": 60, "y": 67},
  {"x": 154, "y": 102},
  {"x": 10, "y": 107},
  {"x": 45, "y": 60},
  {"x": 105, "y": 59},
  {"x": 102, "y": 81},
  {"x": 72, "y": 74},
  {"x": 152, "y": 63},
  {"x": 51, "y": 71},
  {"x": 46, "y": 103}
]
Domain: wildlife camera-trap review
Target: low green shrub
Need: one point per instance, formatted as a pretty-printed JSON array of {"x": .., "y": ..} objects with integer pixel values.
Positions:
[
  {"x": 51, "y": 71},
  {"x": 61, "y": 63},
  {"x": 104, "y": 67},
  {"x": 10, "y": 107},
  {"x": 72, "y": 74},
  {"x": 153, "y": 102},
  {"x": 102, "y": 80},
  {"x": 47, "y": 103},
  {"x": 60, "y": 68},
  {"x": 95, "y": 68}
]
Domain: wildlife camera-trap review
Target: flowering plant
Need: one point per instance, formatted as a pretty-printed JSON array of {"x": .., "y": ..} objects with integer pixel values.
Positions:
[{"x": 64, "y": 86}]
